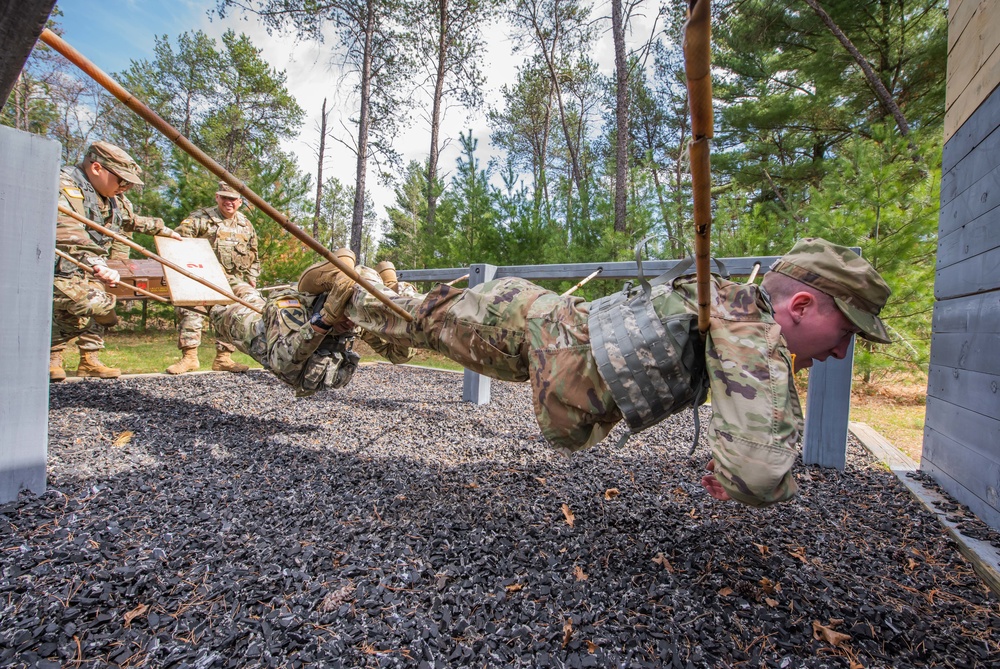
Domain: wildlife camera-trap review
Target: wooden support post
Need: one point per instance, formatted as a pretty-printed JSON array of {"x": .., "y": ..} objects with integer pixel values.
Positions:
[
  {"x": 828, "y": 405},
  {"x": 476, "y": 387}
]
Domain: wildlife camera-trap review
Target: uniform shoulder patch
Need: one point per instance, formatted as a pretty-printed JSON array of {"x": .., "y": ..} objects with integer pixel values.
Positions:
[
  {"x": 288, "y": 303},
  {"x": 73, "y": 192}
]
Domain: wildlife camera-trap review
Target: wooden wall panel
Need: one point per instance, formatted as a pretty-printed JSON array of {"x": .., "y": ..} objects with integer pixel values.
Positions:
[
  {"x": 974, "y": 60},
  {"x": 981, "y": 198},
  {"x": 978, "y": 432},
  {"x": 978, "y": 161},
  {"x": 975, "y": 313},
  {"x": 979, "y": 235},
  {"x": 975, "y": 275},
  {"x": 976, "y": 352},
  {"x": 970, "y": 478},
  {"x": 967, "y": 139},
  {"x": 976, "y": 391},
  {"x": 976, "y": 44}
]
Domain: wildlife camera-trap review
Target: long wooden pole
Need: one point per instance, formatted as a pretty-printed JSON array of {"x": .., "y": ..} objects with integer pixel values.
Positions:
[
  {"x": 583, "y": 282},
  {"x": 90, "y": 270},
  {"x": 160, "y": 259},
  {"x": 698, "y": 67},
  {"x": 215, "y": 168}
]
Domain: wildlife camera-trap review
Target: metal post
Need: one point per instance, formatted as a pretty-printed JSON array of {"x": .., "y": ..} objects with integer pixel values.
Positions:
[{"x": 476, "y": 387}]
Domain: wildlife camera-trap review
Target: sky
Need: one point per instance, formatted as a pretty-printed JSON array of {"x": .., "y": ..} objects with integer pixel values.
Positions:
[{"x": 111, "y": 33}]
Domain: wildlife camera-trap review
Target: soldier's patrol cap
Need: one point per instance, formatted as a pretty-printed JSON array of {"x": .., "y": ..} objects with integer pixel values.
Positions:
[
  {"x": 858, "y": 290},
  {"x": 225, "y": 190},
  {"x": 116, "y": 161}
]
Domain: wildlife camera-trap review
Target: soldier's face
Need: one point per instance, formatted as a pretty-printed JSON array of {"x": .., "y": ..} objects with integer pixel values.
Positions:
[
  {"x": 228, "y": 205},
  {"x": 815, "y": 330},
  {"x": 105, "y": 182}
]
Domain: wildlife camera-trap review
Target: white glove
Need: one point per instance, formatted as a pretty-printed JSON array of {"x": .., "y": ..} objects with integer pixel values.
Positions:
[{"x": 107, "y": 275}]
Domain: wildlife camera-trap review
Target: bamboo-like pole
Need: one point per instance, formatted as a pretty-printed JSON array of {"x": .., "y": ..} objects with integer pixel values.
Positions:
[
  {"x": 211, "y": 165},
  {"x": 583, "y": 282},
  {"x": 149, "y": 254},
  {"x": 454, "y": 281},
  {"x": 90, "y": 270},
  {"x": 698, "y": 67}
]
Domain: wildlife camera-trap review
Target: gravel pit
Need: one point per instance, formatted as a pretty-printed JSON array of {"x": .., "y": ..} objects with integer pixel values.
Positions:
[{"x": 216, "y": 521}]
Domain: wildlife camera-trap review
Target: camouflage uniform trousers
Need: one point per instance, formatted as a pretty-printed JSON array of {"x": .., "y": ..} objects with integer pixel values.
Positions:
[
  {"x": 282, "y": 340},
  {"x": 189, "y": 327},
  {"x": 75, "y": 302},
  {"x": 511, "y": 330}
]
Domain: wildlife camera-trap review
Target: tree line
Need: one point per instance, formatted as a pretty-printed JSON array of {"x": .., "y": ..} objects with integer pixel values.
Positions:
[{"x": 829, "y": 116}]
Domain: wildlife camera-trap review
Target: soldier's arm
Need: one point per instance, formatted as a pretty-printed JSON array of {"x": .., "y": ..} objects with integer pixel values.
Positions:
[
  {"x": 756, "y": 417},
  {"x": 150, "y": 225},
  {"x": 192, "y": 226}
]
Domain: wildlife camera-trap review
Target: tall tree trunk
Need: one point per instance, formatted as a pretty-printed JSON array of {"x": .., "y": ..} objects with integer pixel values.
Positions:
[
  {"x": 881, "y": 92},
  {"x": 621, "y": 115},
  {"x": 358, "y": 217},
  {"x": 319, "y": 170},
  {"x": 432, "y": 160}
]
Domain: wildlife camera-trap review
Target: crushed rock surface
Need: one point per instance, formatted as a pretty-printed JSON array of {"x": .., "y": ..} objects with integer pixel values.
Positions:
[{"x": 217, "y": 521}]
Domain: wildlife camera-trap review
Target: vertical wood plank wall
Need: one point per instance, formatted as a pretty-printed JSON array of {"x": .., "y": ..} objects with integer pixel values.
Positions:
[
  {"x": 29, "y": 185},
  {"x": 962, "y": 428}
]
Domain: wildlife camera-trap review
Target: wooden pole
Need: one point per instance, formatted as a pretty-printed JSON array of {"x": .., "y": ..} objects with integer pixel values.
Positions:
[
  {"x": 698, "y": 67},
  {"x": 149, "y": 254},
  {"x": 215, "y": 168},
  {"x": 583, "y": 282},
  {"x": 85, "y": 268}
]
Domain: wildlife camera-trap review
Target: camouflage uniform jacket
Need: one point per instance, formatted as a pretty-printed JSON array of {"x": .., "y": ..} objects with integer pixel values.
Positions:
[
  {"x": 83, "y": 243},
  {"x": 234, "y": 241}
]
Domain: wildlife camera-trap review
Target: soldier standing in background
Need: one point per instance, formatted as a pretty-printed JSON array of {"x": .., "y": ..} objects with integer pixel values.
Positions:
[
  {"x": 234, "y": 241},
  {"x": 95, "y": 189}
]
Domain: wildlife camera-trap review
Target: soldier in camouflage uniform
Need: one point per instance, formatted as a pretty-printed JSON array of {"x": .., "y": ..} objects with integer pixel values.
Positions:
[
  {"x": 96, "y": 190},
  {"x": 638, "y": 356},
  {"x": 234, "y": 241}
]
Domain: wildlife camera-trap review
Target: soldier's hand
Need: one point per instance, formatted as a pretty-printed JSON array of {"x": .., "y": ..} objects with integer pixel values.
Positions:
[
  {"x": 107, "y": 275},
  {"x": 712, "y": 485},
  {"x": 167, "y": 232}
]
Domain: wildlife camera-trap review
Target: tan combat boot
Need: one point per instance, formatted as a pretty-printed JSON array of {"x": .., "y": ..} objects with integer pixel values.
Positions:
[
  {"x": 324, "y": 277},
  {"x": 56, "y": 371},
  {"x": 224, "y": 363},
  {"x": 387, "y": 274},
  {"x": 91, "y": 366},
  {"x": 188, "y": 363}
]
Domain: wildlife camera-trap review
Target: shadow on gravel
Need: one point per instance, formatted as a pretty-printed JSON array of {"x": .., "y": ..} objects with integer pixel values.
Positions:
[{"x": 389, "y": 524}]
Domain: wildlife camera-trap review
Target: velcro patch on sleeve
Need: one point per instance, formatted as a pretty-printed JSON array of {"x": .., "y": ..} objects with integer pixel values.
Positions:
[
  {"x": 73, "y": 192},
  {"x": 289, "y": 303}
]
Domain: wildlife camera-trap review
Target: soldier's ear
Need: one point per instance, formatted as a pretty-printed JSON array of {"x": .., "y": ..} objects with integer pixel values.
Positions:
[{"x": 799, "y": 304}]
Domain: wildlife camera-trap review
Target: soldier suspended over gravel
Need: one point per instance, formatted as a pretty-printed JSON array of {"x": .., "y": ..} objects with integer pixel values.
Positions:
[{"x": 636, "y": 356}]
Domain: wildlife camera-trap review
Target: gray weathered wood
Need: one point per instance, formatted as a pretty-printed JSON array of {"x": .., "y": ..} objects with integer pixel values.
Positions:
[
  {"x": 977, "y": 200},
  {"x": 968, "y": 476},
  {"x": 976, "y": 165},
  {"x": 29, "y": 183},
  {"x": 828, "y": 407},
  {"x": 476, "y": 387},
  {"x": 974, "y": 275},
  {"x": 972, "y": 313},
  {"x": 977, "y": 431},
  {"x": 971, "y": 351},
  {"x": 21, "y": 23},
  {"x": 979, "y": 235},
  {"x": 976, "y": 391},
  {"x": 976, "y": 128}
]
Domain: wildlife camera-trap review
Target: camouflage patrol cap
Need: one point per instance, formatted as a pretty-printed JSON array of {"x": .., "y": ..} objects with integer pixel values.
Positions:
[
  {"x": 225, "y": 190},
  {"x": 116, "y": 161},
  {"x": 858, "y": 290}
]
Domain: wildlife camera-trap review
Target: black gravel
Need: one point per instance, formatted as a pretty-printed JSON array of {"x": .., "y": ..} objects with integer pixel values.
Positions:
[{"x": 389, "y": 524}]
